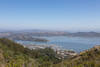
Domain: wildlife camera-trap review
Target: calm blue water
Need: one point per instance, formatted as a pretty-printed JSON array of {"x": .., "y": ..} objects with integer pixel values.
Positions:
[{"x": 72, "y": 43}]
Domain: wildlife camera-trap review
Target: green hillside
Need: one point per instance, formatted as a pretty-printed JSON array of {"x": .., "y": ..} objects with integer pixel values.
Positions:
[{"x": 15, "y": 55}]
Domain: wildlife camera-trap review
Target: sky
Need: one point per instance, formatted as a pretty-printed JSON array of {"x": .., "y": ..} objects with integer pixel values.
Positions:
[{"x": 69, "y": 15}]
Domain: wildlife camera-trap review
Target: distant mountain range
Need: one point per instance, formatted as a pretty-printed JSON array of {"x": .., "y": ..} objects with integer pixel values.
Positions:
[
  {"x": 36, "y": 32},
  {"x": 85, "y": 34}
]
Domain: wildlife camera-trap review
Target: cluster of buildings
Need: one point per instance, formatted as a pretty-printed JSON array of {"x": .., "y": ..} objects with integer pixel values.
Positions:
[
  {"x": 62, "y": 53},
  {"x": 65, "y": 53}
]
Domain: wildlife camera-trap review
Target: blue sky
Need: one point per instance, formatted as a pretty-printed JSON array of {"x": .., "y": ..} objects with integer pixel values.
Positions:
[{"x": 69, "y": 15}]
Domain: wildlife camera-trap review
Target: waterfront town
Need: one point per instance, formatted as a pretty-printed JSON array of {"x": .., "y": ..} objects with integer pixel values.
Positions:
[{"x": 63, "y": 53}]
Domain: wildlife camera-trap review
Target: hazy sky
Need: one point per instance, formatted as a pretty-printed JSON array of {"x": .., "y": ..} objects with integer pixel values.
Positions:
[{"x": 74, "y": 15}]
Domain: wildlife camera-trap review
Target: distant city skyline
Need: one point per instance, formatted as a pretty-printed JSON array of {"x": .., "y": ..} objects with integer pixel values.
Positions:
[{"x": 67, "y": 15}]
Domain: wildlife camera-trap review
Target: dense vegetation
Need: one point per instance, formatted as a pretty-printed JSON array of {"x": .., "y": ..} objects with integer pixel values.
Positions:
[{"x": 15, "y": 55}]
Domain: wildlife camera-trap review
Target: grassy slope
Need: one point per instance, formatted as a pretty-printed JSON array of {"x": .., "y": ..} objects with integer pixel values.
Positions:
[
  {"x": 88, "y": 58},
  {"x": 14, "y": 54}
]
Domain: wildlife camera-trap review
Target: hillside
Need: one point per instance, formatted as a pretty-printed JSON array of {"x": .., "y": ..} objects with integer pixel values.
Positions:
[
  {"x": 88, "y": 58},
  {"x": 15, "y": 55}
]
